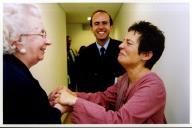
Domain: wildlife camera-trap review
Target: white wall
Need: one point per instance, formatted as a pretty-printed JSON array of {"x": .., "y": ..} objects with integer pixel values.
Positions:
[
  {"x": 52, "y": 71},
  {"x": 173, "y": 67}
]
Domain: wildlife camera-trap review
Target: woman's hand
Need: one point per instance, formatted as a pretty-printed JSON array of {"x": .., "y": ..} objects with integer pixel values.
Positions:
[
  {"x": 52, "y": 97},
  {"x": 63, "y": 108},
  {"x": 66, "y": 97}
]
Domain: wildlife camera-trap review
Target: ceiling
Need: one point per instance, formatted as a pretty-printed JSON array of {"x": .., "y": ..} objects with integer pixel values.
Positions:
[{"x": 78, "y": 12}]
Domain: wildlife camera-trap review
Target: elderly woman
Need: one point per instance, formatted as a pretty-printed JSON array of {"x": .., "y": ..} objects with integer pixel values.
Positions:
[
  {"x": 138, "y": 97},
  {"x": 24, "y": 45}
]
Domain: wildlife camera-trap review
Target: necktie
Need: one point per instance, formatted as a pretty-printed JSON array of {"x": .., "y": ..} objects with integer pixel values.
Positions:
[
  {"x": 72, "y": 55},
  {"x": 102, "y": 51}
]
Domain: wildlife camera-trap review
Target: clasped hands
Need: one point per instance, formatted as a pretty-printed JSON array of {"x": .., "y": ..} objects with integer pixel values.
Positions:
[{"x": 63, "y": 99}]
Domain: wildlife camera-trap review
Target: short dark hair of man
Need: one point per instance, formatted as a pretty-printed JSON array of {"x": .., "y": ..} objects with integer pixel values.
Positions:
[
  {"x": 151, "y": 39},
  {"x": 102, "y": 11}
]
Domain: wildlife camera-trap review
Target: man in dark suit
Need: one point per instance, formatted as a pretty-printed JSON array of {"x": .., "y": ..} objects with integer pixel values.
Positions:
[
  {"x": 98, "y": 65},
  {"x": 71, "y": 65}
]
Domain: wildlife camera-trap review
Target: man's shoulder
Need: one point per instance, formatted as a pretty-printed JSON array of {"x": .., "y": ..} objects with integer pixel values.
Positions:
[
  {"x": 89, "y": 50},
  {"x": 114, "y": 41},
  {"x": 91, "y": 46}
]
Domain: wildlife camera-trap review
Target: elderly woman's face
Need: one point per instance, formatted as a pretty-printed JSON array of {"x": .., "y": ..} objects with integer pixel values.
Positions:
[{"x": 35, "y": 42}]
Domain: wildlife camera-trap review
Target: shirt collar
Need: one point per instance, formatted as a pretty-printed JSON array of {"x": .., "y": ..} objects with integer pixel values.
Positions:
[{"x": 105, "y": 45}]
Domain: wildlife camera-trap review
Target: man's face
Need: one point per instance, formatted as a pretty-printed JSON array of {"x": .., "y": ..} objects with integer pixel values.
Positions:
[
  {"x": 68, "y": 41},
  {"x": 101, "y": 26}
]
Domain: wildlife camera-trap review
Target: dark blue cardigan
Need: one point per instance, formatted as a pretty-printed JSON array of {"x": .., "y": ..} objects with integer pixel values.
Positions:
[{"x": 24, "y": 101}]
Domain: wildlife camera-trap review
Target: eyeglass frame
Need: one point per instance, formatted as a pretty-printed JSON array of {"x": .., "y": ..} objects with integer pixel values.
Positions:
[{"x": 43, "y": 34}]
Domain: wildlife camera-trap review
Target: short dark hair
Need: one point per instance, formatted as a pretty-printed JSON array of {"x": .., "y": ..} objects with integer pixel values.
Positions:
[
  {"x": 102, "y": 11},
  {"x": 151, "y": 39}
]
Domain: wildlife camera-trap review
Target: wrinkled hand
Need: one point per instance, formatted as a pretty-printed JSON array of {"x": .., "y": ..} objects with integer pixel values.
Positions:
[
  {"x": 52, "y": 96},
  {"x": 63, "y": 108},
  {"x": 69, "y": 91},
  {"x": 66, "y": 97}
]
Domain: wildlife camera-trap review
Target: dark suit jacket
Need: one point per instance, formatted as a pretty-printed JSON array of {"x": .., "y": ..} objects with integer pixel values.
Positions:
[
  {"x": 95, "y": 75},
  {"x": 24, "y": 101},
  {"x": 72, "y": 69}
]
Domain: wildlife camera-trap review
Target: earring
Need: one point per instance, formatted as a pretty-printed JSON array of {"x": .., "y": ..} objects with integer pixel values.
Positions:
[
  {"x": 22, "y": 51},
  {"x": 13, "y": 47}
]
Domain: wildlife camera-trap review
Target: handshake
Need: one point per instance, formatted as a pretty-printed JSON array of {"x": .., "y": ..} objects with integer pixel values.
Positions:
[{"x": 63, "y": 99}]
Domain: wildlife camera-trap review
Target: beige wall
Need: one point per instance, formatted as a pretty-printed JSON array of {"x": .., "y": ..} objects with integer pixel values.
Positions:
[
  {"x": 173, "y": 67},
  {"x": 79, "y": 36},
  {"x": 52, "y": 71}
]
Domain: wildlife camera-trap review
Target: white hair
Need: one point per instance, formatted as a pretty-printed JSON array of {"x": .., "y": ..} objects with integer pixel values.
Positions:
[{"x": 17, "y": 21}]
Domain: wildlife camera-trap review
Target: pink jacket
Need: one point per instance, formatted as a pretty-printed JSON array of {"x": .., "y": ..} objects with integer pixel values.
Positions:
[{"x": 142, "y": 102}]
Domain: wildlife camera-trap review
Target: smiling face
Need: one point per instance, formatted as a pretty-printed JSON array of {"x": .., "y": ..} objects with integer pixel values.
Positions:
[
  {"x": 129, "y": 55},
  {"x": 35, "y": 43},
  {"x": 101, "y": 26}
]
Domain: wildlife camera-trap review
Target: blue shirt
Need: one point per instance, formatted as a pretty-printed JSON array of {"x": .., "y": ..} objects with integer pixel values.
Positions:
[{"x": 105, "y": 46}]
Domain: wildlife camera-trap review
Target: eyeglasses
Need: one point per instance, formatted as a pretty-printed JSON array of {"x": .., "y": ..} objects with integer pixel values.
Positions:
[{"x": 43, "y": 34}]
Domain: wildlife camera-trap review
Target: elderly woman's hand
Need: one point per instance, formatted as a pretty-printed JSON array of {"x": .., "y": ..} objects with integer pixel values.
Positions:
[
  {"x": 52, "y": 97},
  {"x": 63, "y": 108},
  {"x": 66, "y": 97}
]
